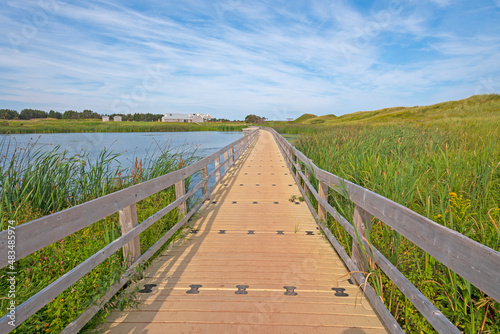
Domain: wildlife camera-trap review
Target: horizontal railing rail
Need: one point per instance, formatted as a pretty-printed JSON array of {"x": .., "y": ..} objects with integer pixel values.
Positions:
[
  {"x": 39, "y": 233},
  {"x": 477, "y": 263}
]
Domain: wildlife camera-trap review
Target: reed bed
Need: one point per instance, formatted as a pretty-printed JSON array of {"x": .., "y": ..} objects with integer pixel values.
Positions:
[
  {"x": 448, "y": 171},
  {"x": 37, "y": 183},
  {"x": 66, "y": 126}
]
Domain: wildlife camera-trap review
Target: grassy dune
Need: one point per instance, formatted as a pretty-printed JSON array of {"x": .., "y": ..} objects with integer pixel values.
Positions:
[{"x": 442, "y": 161}]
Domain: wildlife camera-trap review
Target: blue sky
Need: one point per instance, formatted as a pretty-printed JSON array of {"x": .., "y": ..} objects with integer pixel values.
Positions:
[{"x": 232, "y": 58}]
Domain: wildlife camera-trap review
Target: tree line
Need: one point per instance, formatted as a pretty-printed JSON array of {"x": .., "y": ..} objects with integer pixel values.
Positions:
[{"x": 27, "y": 114}]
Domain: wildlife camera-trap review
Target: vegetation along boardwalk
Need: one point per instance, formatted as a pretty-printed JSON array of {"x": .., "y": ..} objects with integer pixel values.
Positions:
[
  {"x": 254, "y": 261},
  {"x": 258, "y": 254}
]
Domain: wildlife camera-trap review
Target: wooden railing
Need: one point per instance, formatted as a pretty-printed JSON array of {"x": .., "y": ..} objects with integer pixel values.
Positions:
[
  {"x": 473, "y": 261},
  {"x": 39, "y": 233}
]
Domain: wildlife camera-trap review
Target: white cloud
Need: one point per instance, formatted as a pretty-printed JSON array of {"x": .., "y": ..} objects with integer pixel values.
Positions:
[{"x": 232, "y": 58}]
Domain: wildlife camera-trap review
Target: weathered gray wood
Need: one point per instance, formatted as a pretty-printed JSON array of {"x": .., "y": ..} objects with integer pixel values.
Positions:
[
  {"x": 204, "y": 174},
  {"x": 217, "y": 164},
  {"x": 128, "y": 220},
  {"x": 478, "y": 264},
  {"x": 180, "y": 190},
  {"x": 77, "y": 324},
  {"x": 428, "y": 310},
  {"x": 307, "y": 174},
  {"x": 473, "y": 261},
  {"x": 323, "y": 193},
  {"x": 41, "y": 232},
  {"x": 226, "y": 161},
  {"x": 231, "y": 155},
  {"x": 297, "y": 167},
  {"x": 362, "y": 223},
  {"x": 36, "y": 302},
  {"x": 32, "y": 305},
  {"x": 387, "y": 318}
]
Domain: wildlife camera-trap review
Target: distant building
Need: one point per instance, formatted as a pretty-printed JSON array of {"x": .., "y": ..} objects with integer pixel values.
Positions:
[
  {"x": 117, "y": 118},
  {"x": 105, "y": 118},
  {"x": 289, "y": 119},
  {"x": 186, "y": 118}
]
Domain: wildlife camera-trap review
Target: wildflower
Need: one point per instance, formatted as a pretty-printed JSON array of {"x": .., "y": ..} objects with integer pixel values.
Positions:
[
  {"x": 46, "y": 325},
  {"x": 62, "y": 269},
  {"x": 28, "y": 270},
  {"x": 61, "y": 262},
  {"x": 45, "y": 269}
]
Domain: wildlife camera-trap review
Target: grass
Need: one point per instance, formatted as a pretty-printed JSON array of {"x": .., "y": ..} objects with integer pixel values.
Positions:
[
  {"x": 91, "y": 125},
  {"x": 36, "y": 183},
  {"x": 442, "y": 161}
]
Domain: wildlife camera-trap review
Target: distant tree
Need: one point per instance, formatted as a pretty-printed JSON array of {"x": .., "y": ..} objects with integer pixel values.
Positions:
[
  {"x": 86, "y": 114},
  {"x": 32, "y": 114},
  {"x": 255, "y": 119},
  {"x": 55, "y": 114},
  {"x": 71, "y": 114},
  {"x": 8, "y": 114}
]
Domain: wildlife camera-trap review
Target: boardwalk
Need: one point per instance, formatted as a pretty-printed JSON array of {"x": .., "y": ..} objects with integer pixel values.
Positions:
[{"x": 252, "y": 236}]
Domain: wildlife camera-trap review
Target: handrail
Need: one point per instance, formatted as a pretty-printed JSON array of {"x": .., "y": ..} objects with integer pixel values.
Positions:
[
  {"x": 477, "y": 263},
  {"x": 39, "y": 233}
]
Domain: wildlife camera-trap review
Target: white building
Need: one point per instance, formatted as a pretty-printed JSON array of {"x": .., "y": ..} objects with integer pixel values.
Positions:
[
  {"x": 105, "y": 118},
  {"x": 117, "y": 118},
  {"x": 186, "y": 118}
]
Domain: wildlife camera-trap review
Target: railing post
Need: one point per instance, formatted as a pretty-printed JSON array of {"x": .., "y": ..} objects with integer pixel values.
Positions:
[
  {"x": 128, "y": 220},
  {"x": 307, "y": 174},
  {"x": 204, "y": 174},
  {"x": 362, "y": 223},
  {"x": 226, "y": 162},
  {"x": 217, "y": 173},
  {"x": 323, "y": 193},
  {"x": 180, "y": 190},
  {"x": 296, "y": 164},
  {"x": 231, "y": 155}
]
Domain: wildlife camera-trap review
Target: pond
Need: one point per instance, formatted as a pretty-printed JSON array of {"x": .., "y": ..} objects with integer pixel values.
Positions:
[{"x": 129, "y": 145}]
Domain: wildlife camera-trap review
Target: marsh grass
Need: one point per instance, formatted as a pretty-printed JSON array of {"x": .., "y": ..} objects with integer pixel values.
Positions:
[
  {"x": 35, "y": 183},
  {"x": 447, "y": 170},
  {"x": 66, "y": 126}
]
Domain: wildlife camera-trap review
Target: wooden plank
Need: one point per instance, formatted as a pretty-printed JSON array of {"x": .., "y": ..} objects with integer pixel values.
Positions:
[
  {"x": 219, "y": 264},
  {"x": 128, "y": 220},
  {"x": 391, "y": 324},
  {"x": 76, "y": 325},
  {"x": 33, "y": 304},
  {"x": 41, "y": 232},
  {"x": 430, "y": 312},
  {"x": 248, "y": 324}
]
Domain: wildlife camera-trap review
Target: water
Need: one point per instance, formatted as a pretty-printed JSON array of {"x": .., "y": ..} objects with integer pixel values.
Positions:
[{"x": 130, "y": 145}]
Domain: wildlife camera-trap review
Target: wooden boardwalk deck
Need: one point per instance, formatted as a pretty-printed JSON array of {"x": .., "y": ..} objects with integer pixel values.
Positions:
[{"x": 250, "y": 234}]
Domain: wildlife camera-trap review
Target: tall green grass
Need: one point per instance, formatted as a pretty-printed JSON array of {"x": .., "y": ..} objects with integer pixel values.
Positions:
[
  {"x": 448, "y": 171},
  {"x": 35, "y": 183},
  {"x": 66, "y": 126}
]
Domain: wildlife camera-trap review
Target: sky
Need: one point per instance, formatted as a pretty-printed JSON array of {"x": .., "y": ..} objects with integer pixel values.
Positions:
[{"x": 231, "y": 58}]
